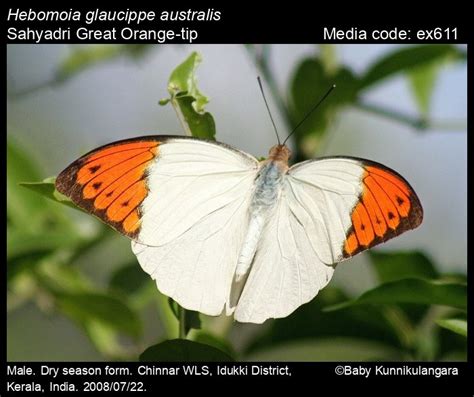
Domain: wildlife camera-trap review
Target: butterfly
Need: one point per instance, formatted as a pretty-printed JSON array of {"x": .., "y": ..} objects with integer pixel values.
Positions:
[{"x": 216, "y": 228}]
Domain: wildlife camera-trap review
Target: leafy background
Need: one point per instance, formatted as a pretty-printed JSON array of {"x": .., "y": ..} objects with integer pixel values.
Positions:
[{"x": 75, "y": 290}]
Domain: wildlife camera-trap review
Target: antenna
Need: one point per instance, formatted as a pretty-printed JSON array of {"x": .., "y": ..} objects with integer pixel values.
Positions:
[
  {"x": 266, "y": 104},
  {"x": 311, "y": 111}
]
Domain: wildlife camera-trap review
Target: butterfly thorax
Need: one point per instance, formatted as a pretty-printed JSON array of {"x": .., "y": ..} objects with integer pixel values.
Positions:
[
  {"x": 280, "y": 154},
  {"x": 267, "y": 188},
  {"x": 269, "y": 179}
]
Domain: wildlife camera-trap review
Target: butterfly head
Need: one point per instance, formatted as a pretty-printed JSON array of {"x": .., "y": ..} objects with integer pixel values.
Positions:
[{"x": 280, "y": 153}]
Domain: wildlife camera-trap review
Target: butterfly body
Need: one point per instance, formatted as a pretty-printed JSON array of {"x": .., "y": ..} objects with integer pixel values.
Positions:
[
  {"x": 267, "y": 190},
  {"x": 217, "y": 229}
]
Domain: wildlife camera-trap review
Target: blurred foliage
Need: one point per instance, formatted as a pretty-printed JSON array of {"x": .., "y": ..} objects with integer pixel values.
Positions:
[
  {"x": 314, "y": 75},
  {"x": 457, "y": 325},
  {"x": 412, "y": 290},
  {"x": 47, "y": 189},
  {"x": 183, "y": 350},
  {"x": 413, "y": 313},
  {"x": 405, "y": 60},
  {"x": 81, "y": 58},
  {"x": 190, "y": 318},
  {"x": 310, "y": 82}
]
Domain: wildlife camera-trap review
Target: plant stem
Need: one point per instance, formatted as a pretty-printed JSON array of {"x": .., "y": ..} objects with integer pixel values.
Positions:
[
  {"x": 419, "y": 123},
  {"x": 18, "y": 94},
  {"x": 181, "y": 117},
  {"x": 166, "y": 316},
  {"x": 182, "y": 322}
]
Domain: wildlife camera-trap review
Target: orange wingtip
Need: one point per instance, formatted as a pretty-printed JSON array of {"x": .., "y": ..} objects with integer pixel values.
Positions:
[
  {"x": 110, "y": 183},
  {"x": 387, "y": 207}
]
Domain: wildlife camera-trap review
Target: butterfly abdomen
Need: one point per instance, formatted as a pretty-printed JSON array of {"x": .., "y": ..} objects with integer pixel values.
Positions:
[{"x": 267, "y": 190}]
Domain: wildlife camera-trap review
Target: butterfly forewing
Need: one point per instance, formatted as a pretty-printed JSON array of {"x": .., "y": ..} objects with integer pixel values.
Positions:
[
  {"x": 153, "y": 188},
  {"x": 184, "y": 202},
  {"x": 110, "y": 182},
  {"x": 329, "y": 210},
  {"x": 355, "y": 203}
]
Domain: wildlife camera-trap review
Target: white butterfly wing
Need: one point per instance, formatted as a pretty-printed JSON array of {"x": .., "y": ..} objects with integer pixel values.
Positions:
[
  {"x": 182, "y": 201},
  {"x": 194, "y": 222},
  {"x": 196, "y": 268},
  {"x": 190, "y": 180},
  {"x": 329, "y": 210},
  {"x": 286, "y": 271},
  {"x": 348, "y": 205},
  {"x": 322, "y": 194}
]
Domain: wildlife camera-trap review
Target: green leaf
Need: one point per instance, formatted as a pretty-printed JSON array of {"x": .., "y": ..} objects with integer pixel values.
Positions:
[
  {"x": 21, "y": 243},
  {"x": 310, "y": 82},
  {"x": 212, "y": 340},
  {"x": 183, "y": 81},
  {"x": 129, "y": 279},
  {"x": 47, "y": 189},
  {"x": 105, "y": 339},
  {"x": 23, "y": 209},
  {"x": 22, "y": 265},
  {"x": 328, "y": 57},
  {"x": 106, "y": 309},
  {"x": 195, "y": 124},
  {"x": 131, "y": 282},
  {"x": 411, "y": 290},
  {"x": 60, "y": 279},
  {"x": 450, "y": 341},
  {"x": 422, "y": 81},
  {"x": 398, "y": 265},
  {"x": 328, "y": 349},
  {"x": 181, "y": 350},
  {"x": 188, "y": 101},
  {"x": 454, "y": 355},
  {"x": 192, "y": 319},
  {"x": 166, "y": 315},
  {"x": 457, "y": 278},
  {"x": 82, "y": 58},
  {"x": 309, "y": 322},
  {"x": 405, "y": 60},
  {"x": 456, "y": 325}
]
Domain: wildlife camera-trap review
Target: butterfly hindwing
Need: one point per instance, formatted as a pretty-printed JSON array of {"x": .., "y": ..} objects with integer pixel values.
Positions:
[
  {"x": 286, "y": 271},
  {"x": 196, "y": 269}
]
